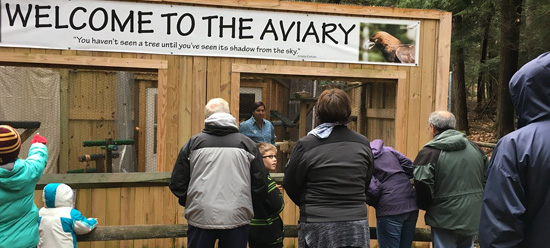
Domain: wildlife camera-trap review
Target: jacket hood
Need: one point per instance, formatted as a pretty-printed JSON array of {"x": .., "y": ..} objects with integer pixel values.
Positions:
[
  {"x": 530, "y": 90},
  {"x": 57, "y": 195},
  {"x": 13, "y": 177},
  {"x": 449, "y": 140},
  {"x": 221, "y": 120},
  {"x": 376, "y": 147}
]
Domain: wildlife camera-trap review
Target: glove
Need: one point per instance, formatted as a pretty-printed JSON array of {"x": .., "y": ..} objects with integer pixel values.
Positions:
[{"x": 39, "y": 139}]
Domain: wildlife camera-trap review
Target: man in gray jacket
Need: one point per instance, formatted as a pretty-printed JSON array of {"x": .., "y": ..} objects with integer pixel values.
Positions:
[{"x": 217, "y": 175}]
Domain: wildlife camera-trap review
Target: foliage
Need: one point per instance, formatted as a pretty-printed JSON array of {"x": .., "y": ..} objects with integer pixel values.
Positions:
[{"x": 478, "y": 17}]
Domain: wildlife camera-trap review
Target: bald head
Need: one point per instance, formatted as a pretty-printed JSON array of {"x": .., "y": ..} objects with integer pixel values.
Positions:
[{"x": 442, "y": 120}]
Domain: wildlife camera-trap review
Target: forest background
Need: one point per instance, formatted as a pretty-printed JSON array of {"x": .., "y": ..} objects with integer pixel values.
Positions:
[{"x": 491, "y": 40}]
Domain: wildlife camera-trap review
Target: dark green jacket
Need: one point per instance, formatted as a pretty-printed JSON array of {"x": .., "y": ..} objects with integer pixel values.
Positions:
[{"x": 449, "y": 180}]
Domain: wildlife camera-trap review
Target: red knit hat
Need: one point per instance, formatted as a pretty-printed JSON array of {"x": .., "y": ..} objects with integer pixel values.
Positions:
[{"x": 10, "y": 144}]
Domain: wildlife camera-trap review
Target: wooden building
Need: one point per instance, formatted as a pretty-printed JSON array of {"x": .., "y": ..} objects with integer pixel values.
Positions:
[{"x": 169, "y": 91}]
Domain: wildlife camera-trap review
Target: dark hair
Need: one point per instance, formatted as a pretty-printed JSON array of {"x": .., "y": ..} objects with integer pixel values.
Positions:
[
  {"x": 333, "y": 106},
  {"x": 257, "y": 105}
]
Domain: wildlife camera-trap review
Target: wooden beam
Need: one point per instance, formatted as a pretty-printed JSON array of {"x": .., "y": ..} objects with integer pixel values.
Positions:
[
  {"x": 163, "y": 121},
  {"x": 320, "y": 8},
  {"x": 318, "y": 71},
  {"x": 381, "y": 113},
  {"x": 305, "y": 108},
  {"x": 107, "y": 180},
  {"x": 115, "y": 180},
  {"x": 106, "y": 233},
  {"x": 103, "y": 62},
  {"x": 442, "y": 61}
]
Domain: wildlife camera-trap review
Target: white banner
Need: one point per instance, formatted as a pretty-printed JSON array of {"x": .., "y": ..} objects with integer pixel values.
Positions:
[{"x": 204, "y": 31}]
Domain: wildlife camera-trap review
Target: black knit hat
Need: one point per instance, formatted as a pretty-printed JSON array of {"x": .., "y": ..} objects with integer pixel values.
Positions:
[{"x": 10, "y": 144}]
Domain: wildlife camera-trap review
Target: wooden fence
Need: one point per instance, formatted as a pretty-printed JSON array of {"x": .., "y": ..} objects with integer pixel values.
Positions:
[{"x": 132, "y": 232}]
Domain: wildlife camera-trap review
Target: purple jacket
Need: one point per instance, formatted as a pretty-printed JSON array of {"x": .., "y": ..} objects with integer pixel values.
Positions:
[{"x": 390, "y": 190}]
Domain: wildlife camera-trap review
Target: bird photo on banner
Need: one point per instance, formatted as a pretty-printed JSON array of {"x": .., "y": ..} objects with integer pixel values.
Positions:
[{"x": 388, "y": 43}]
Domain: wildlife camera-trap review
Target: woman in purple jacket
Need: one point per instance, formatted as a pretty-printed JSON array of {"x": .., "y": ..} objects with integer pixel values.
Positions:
[{"x": 392, "y": 195}]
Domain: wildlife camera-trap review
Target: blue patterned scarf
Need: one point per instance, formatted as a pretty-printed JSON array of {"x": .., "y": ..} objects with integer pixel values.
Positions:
[{"x": 323, "y": 131}]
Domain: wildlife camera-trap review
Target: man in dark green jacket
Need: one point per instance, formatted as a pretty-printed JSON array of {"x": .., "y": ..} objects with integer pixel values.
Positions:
[{"x": 449, "y": 180}]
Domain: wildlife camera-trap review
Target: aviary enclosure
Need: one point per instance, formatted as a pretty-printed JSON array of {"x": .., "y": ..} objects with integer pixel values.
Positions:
[{"x": 110, "y": 104}]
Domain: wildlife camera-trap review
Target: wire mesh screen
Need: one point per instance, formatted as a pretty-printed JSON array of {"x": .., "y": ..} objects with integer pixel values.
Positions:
[{"x": 95, "y": 120}]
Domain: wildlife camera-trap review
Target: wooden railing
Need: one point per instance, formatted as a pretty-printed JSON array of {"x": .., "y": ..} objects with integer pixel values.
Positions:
[
  {"x": 139, "y": 179},
  {"x": 107, "y": 233}
]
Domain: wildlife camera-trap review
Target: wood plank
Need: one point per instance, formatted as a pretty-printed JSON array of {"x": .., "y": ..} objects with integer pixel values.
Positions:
[
  {"x": 199, "y": 94},
  {"x": 443, "y": 61},
  {"x": 318, "y": 71},
  {"x": 107, "y": 180},
  {"x": 142, "y": 124},
  {"x": 169, "y": 213},
  {"x": 127, "y": 202},
  {"x": 84, "y": 205},
  {"x": 289, "y": 217},
  {"x": 141, "y": 213},
  {"x": 172, "y": 119},
  {"x": 225, "y": 78},
  {"x": 103, "y": 233},
  {"x": 213, "y": 80},
  {"x": 381, "y": 113},
  {"x": 429, "y": 82},
  {"x": 98, "y": 114},
  {"x": 321, "y": 8},
  {"x": 49, "y": 59},
  {"x": 99, "y": 211},
  {"x": 235, "y": 93},
  {"x": 112, "y": 213},
  {"x": 64, "y": 121},
  {"x": 186, "y": 104},
  {"x": 401, "y": 116},
  {"x": 116, "y": 180},
  {"x": 164, "y": 107}
]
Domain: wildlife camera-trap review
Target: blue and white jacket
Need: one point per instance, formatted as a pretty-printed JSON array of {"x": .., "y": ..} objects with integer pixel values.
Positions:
[{"x": 59, "y": 221}]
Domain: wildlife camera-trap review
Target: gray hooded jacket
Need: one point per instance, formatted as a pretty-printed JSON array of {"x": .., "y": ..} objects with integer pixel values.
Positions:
[{"x": 218, "y": 174}]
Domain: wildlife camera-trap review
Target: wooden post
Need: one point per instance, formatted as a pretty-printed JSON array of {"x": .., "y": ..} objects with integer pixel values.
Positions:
[
  {"x": 109, "y": 156},
  {"x": 305, "y": 107}
]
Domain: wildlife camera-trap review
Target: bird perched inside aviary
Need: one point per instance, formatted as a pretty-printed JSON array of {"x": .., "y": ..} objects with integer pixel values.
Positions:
[{"x": 392, "y": 48}]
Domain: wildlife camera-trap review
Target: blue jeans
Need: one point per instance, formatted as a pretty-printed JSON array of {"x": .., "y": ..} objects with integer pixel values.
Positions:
[
  {"x": 443, "y": 238},
  {"x": 396, "y": 231}
]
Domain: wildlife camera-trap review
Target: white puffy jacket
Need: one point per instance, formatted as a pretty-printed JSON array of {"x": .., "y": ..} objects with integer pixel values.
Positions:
[{"x": 59, "y": 221}]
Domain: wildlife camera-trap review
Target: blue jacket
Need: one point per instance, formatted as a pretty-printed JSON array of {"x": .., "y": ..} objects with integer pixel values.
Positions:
[
  {"x": 266, "y": 134},
  {"x": 516, "y": 203},
  {"x": 18, "y": 213},
  {"x": 59, "y": 222},
  {"x": 391, "y": 191}
]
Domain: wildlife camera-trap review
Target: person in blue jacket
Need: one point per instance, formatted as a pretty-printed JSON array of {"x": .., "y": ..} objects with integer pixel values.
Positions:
[
  {"x": 18, "y": 178},
  {"x": 515, "y": 210},
  {"x": 59, "y": 222},
  {"x": 257, "y": 128}
]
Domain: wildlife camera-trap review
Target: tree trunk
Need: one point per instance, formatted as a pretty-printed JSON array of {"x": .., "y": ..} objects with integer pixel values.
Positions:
[
  {"x": 458, "y": 104},
  {"x": 509, "y": 52},
  {"x": 480, "y": 82}
]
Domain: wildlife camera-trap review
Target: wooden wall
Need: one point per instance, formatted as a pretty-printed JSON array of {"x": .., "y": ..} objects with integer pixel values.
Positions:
[{"x": 186, "y": 83}]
